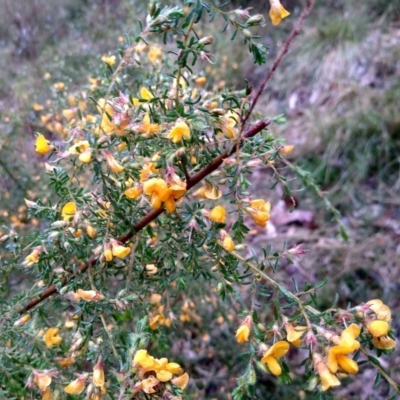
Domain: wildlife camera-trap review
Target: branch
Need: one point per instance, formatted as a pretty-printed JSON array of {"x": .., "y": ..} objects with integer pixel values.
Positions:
[
  {"x": 152, "y": 215},
  {"x": 295, "y": 31}
]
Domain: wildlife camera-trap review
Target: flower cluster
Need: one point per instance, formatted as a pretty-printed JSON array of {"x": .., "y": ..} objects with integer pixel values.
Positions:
[{"x": 153, "y": 371}]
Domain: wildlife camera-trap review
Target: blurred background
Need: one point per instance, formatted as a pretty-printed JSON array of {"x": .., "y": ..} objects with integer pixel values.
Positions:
[{"x": 339, "y": 91}]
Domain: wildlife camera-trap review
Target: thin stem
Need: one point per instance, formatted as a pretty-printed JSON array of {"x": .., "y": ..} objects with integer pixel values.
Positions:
[
  {"x": 179, "y": 73},
  {"x": 276, "y": 285},
  {"x": 391, "y": 382}
]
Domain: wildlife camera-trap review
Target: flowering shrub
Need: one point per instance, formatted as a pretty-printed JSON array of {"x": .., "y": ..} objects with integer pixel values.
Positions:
[{"x": 151, "y": 179}]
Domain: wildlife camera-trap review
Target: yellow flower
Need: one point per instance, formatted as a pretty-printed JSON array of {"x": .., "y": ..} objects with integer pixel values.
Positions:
[
  {"x": 158, "y": 191},
  {"x": 328, "y": 380},
  {"x": 228, "y": 244},
  {"x": 112, "y": 163},
  {"x": 278, "y": 350},
  {"x": 42, "y": 379},
  {"x": 68, "y": 211},
  {"x": 337, "y": 357},
  {"x": 133, "y": 193},
  {"x": 145, "y": 94},
  {"x": 33, "y": 257},
  {"x": 77, "y": 386},
  {"x": 147, "y": 127},
  {"x": 177, "y": 188},
  {"x": 201, "y": 80},
  {"x": 179, "y": 131},
  {"x": 121, "y": 146},
  {"x": 218, "y": 214},
  {"x": 110, "y": 60},
  {"x": 65, "y": 362},
  {"x": 208, "y": 192},
  {"x": 151, "y": 269},
  {"x": 47, "y": 394},
  {"x": 42, "y": 145},
  {"x": 260, "y": 211},
  {"x": 228, "y": 123},
  {"x": 89, "y": 295},
  {"x": 51, "y": 337},
  {"x": 294, "y": 333},
  {"x": 79, "y": 147},
  {"x": 148, "y": 384},
  {"x": 98, "y": 374},
  {"x": 91, "y": 231},
  {"x": 384, "y": 343},
  {"x": 242, "y": 334},
  {"x": 381, "y": 310},
  {"x": 378, "y": 328},
  {"x": 118, "y": 250},
  {"x": 349, "y": 336},
  {"x": 165, "y": 370},
  {"x": 347, "y": 343},
  {"x": 277, "y": 12},
  {"x": 181, "y": 381},
  {"x": 157, "y": 319},
  {"x": 143, "y": 359},
  {"x": 37, "y": 107},
  {"x": 59, "y": 86},
  {"x": 69, "y": 113},
  {"x": 286, "y": 150},
  {"x": 86, "y": 156},
  {"x": 147, "y": 170},
  {"x": 154, "y": 54},
  {"x": 108, "y": 255}
]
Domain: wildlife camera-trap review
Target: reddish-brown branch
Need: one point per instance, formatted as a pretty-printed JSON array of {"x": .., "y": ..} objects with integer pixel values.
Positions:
[
  {"x": 286, "y": 45},
  {"x": 152, "y": 215}
]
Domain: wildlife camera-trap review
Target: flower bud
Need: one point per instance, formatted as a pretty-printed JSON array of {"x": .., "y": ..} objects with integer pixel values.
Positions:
[
  {"x": 98, "y": 374},
  {"x": 257, "y": 19},
  {"x": 247, "y": 34},
  {"x": 30, "y": 204},
  {"x": 22, "y": 321},
  {"x": 206, "y": 40}
]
